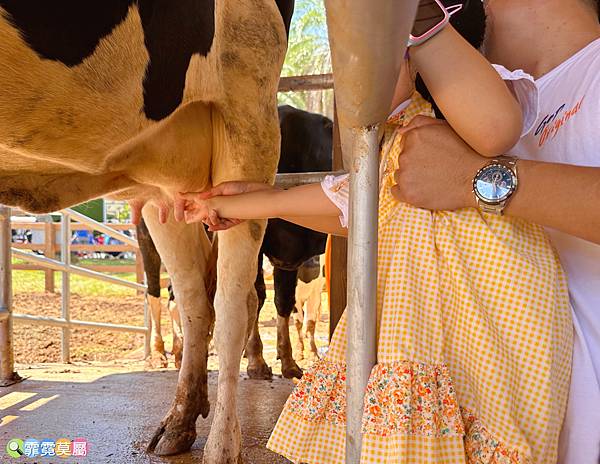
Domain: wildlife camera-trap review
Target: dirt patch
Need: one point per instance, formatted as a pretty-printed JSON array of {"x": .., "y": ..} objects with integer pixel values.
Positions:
[{"x": 42, "y": 344}]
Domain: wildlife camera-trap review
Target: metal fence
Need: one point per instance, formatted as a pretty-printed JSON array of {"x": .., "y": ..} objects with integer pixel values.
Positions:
[{"x": 65, "y": 322}]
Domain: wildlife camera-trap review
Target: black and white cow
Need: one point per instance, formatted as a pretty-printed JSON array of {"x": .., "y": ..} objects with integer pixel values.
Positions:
[
  {"x": 138, "y": 100},
  {"x": 306, "y": 146}
]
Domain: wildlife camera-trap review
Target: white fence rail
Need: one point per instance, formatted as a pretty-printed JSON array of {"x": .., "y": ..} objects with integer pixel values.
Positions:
[{"x": 64, "y": 322}]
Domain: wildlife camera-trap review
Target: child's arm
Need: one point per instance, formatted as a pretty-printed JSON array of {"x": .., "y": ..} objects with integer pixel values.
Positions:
[
  {"x": 306, "y": 205},
  {"x": 326, "y": 224},
  {"x": 469, "y": 92}
]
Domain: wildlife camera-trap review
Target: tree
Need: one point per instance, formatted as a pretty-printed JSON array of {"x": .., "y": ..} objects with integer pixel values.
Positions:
[{"x": 308, "y": 53}]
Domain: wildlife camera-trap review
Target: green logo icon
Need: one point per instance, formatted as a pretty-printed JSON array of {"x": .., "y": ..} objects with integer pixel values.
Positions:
[{"x": 14, "y": 448}]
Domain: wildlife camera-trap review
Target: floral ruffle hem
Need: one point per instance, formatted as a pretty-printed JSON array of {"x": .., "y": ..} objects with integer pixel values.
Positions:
[{"x": 402, "y": 398}]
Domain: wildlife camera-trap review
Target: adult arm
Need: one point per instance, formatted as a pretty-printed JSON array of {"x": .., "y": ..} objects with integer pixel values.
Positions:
[{"x": 436, "y": 170}]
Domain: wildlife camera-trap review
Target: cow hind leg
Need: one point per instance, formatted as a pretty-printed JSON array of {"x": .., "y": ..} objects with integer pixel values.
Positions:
[
  {"x": 151, "y": 258},
  {"x": 257, "y": 367},
  {"x": 285, "y": 298},
  {"x": 185, "y": 249}
]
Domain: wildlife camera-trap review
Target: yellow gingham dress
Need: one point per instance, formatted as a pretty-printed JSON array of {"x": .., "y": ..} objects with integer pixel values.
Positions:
[{"x": 474, "y": 344}]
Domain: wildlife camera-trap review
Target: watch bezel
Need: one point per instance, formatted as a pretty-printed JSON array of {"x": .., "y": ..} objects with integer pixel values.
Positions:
[{"x": 505, "y": 197}]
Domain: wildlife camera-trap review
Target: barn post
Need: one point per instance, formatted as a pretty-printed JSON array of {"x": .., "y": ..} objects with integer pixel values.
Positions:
[
  {"x": 7, "y": 361},
  {"x": 367, "y": 38},
  {"x": 338, "y": 247}
]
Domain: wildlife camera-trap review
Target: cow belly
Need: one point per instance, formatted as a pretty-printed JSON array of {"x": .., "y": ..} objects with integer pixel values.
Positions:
[{"x": 72, "y": 114}]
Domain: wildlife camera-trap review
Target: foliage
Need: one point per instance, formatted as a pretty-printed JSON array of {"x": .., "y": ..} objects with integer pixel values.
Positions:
[{"x": 308, "y": 53}]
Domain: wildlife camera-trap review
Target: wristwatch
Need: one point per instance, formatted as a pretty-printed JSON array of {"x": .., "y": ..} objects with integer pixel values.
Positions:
[{"x": 495, "y": 183}]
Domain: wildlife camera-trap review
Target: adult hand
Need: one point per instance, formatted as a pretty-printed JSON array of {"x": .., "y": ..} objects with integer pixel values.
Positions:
[
  {"x": 233, "y": 188},
  {"x": 436, "y": 167}
]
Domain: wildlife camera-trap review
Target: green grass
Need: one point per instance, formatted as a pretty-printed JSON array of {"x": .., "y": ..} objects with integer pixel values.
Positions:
[
  {"x": 33, "y": 281},
  {"x": 105, "y": 262}
]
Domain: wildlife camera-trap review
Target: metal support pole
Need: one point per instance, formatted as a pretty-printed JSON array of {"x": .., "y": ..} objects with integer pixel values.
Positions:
[
  {"x": 65, "y": 250},
  {"x": 7, "y": 361},
  {"x": 361, "y": 354}
]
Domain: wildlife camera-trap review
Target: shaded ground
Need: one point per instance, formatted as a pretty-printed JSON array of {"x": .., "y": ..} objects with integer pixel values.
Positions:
[{"x": 116, "y": 409}]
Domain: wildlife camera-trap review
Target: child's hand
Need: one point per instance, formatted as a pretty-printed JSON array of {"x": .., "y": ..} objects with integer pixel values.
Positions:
[
  {"x": 198, "y": 208},
  {"x": 195, "y": 208}
]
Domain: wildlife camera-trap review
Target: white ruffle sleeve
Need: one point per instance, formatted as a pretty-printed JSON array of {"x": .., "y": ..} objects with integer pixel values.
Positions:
[
  {"x": 337, "y": 189},
  {"x": 523, "y": 87}
]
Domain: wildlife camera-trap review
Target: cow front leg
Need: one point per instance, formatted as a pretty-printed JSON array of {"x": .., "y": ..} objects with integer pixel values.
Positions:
[
  {"x": 235, "y": 297},
  {"x": 257, "y": 366},
  {"x": 285, "y": 300},
  {"x": 185, "y": 249}
]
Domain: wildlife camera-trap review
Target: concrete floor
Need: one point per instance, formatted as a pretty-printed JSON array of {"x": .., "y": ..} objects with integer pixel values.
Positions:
[{"x": 117, "y": 410}]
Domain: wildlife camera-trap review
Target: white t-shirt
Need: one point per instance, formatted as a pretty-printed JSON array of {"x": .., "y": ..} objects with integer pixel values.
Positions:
[{"x": 568, "y": 131}]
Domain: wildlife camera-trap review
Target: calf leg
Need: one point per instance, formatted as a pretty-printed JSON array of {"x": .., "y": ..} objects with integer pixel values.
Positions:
[
  {"x": 235, "y": 297},
  {"x": 177, "y": 333},
  {"x": 185, "y": 249},
  {"x": 158, "y": 357},
  {"x": 298, "y": 322},
  {"x": 285, "y": 291},
  {"x": 313, "y": 314},
  {"x": 257, "y": 366}
]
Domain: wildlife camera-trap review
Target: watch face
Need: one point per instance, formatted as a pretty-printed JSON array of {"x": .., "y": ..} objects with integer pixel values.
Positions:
[{"x": 494, "y": 183}]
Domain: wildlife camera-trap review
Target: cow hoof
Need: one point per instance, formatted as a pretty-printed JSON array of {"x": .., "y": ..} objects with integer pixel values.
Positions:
[
  {"x": 172, "y": 440},
  {"x": 261, "y": 372},
  {"x": 237, "y": 460},
  {"x": 157, "y": 360},
  {"x": 292, "y": 371}
]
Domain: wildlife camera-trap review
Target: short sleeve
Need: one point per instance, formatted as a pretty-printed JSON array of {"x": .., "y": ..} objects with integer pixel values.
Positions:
[
  {"x": 337, "y": 189},
  {"x": 523, "y": 87}
]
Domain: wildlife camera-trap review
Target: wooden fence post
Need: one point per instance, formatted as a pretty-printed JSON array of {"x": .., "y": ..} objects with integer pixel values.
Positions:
[
  {"x": 339, "y": 249},
  {"x": 49, "y": 247}
]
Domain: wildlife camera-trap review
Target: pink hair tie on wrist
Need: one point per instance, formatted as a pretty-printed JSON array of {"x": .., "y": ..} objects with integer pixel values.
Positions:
[{"x": 431, "y": 18}]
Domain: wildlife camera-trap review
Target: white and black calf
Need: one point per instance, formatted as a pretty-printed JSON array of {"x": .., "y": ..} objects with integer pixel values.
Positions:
[
  {"x": 311, "y": 280},
  {"x": 306, "y": 146},
  {"x": 138, "y": 100}
]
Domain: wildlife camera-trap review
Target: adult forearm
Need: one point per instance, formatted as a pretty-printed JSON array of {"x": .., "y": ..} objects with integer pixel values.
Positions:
[{"x": 564, "y": 197}]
